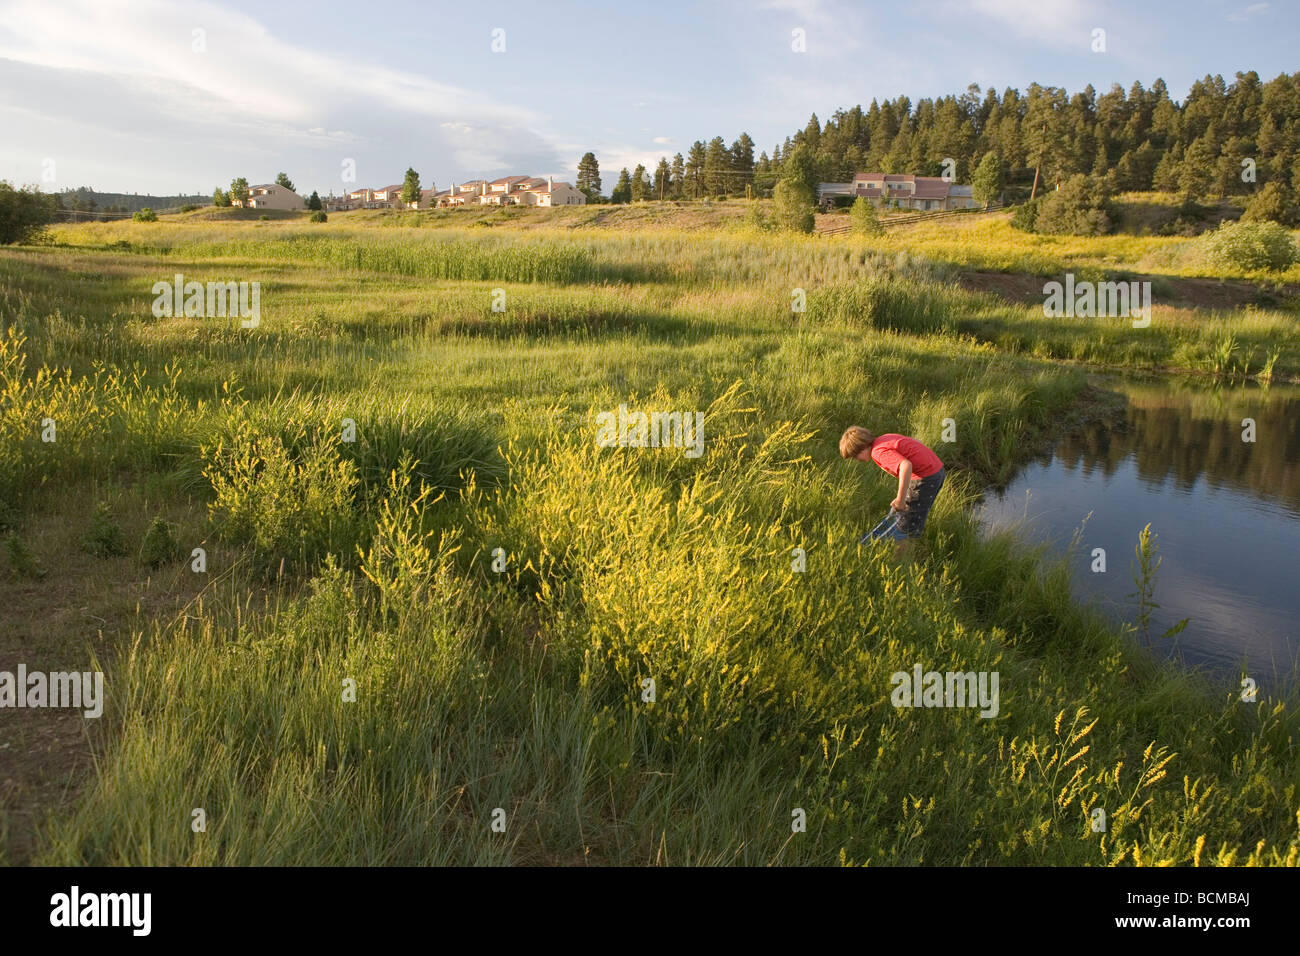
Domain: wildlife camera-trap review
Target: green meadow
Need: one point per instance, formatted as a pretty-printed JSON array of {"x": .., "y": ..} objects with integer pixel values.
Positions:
[{"x": 428, "y": 595}]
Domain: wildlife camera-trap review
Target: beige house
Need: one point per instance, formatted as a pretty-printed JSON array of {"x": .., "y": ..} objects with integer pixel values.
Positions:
[
  {"x": 458, "y": 195},
  {"x": 902, "y": 191},
  {"x": 555, "y": 194},
  {"x": 506, "y": 191},
  {"x": 387, "y": 197},
  {"x": 272, "y": 196}
]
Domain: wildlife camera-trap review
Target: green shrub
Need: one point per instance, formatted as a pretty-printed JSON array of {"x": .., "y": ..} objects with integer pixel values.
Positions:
[
  {"x": 159, "y": 546},
  {"x": 21, "y": 558},
  {"x": 145, "y": 215},
  {"x": 794, "y": 206},
  {"x": 1025, "y": 215},
  {"x": 105, "y": 538},
  {"x": 1080, "y": 207},
  {"x": 757, "y": 219},
  {"x": 1274, "y": 203},
  {"x": 291, "y": 509},
  {"x": 1249, "y": 247},
  {"x": 318, "y": 216},
  {"x": 24, "y": 213},
  {"x": 862, "y": 218}
]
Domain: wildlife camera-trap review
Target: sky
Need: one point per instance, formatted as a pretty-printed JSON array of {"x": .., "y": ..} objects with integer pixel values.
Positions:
[{"x": 180, "y": 96}]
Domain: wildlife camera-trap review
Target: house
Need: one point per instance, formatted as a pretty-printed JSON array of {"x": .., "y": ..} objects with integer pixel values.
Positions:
[
  {"x": 272, "y": 196},
  {"x": 506, "y": 184},
  {"x": 506, "y": 191},
  {"x": 389, "y": 197},
  {"x": 902, "y": 191},
  {"x": 458, "y": 195},
  {"x": 552, "y": 193}
]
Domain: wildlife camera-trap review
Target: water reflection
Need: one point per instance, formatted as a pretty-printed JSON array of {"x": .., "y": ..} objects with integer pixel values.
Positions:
[{"x": 1227, "y": 513}]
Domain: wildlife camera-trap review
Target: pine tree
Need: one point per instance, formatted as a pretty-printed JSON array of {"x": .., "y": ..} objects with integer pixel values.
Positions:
[
  {"x": 661, "y": 179},
  {"x": 623, "y": 188},
  {"x": 986, "y": 184},
  {"x": 694, "y": 186},
  {"x": 799, "y": 168},
  {"x": 812, "y": 133},
  {"x": 742, "y": 162},
  {"x": 313, "y": 201},
  {"x": 678, "y": 177},
  {"x": 411, "y": 187},
  {"x": 282, "y": 179},
  {"x": 640, "y": 185},
  {"x": 717, "y": 167},
  {"x": 589, "y": 176}
]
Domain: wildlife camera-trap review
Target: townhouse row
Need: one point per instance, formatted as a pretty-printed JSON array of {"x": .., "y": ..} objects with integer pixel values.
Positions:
[{"x": 506, "y": 191}]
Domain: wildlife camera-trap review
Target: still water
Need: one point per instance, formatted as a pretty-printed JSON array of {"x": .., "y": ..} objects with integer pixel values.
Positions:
[{"x": 1225, "y": 512}]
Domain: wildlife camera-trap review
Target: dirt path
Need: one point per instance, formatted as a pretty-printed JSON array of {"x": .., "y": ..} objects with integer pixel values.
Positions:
[{"x": 72, "y": 609}]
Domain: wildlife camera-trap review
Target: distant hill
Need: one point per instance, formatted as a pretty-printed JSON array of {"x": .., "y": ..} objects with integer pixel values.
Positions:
[{"x": 85, "y": 199}]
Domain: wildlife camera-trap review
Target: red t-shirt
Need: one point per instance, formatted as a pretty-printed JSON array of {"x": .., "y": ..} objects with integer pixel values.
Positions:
[{"x": 889, "y": 451}]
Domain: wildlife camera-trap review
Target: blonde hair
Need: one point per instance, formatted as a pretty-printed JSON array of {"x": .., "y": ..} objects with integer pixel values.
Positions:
[{"x": 854, "y": 440}]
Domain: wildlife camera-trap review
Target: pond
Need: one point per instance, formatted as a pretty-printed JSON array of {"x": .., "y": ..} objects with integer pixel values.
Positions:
[{"x": 1225, "y": 511}]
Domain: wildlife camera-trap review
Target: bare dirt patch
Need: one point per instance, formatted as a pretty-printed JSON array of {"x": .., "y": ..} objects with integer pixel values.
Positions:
[{"x": 72, "y": 617}]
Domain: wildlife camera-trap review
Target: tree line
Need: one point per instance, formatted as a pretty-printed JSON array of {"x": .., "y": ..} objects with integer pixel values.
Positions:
[{"x": 1223, "y": 140}]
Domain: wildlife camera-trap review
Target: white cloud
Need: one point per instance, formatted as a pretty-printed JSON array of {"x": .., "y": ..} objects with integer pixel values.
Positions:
[
  {"x": 830, "y": 26},
  {"x": 1240, "y": 16},
  {"x": 129, "y": 75},
  {"x": 662, "y": 140},
  {"x": 1057, "y": 22}
]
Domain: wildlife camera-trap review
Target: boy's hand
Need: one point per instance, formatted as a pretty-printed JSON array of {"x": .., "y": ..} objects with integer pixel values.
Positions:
[{"x": 898, "y": 504}]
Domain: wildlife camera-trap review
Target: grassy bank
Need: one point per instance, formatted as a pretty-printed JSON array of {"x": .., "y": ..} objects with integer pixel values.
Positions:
[{"x": 369, "y": 569}]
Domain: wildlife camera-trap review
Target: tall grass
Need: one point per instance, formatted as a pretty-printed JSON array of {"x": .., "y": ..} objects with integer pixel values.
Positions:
[{"x": 401, "y": 683}]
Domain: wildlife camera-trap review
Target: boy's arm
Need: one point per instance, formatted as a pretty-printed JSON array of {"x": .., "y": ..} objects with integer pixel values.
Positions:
[{"x": 904, "y": 479}]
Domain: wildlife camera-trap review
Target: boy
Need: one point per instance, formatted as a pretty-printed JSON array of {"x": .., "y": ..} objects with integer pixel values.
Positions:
[{"x": 919, "y": 471}]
